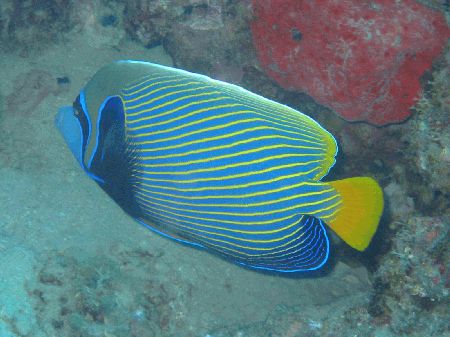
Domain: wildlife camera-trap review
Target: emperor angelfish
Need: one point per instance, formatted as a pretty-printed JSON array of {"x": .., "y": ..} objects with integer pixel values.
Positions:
[{"x": 213, "y": 165}]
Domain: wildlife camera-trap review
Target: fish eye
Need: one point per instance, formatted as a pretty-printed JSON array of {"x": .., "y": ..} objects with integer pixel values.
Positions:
[{"x": 77, "y": 109}]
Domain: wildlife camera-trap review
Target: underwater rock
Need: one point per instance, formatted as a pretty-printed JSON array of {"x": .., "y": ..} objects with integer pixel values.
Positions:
[
  {"x": 414, "y": 278},
  {"x": 430, "y": 133},
  {"x": 426, "y": 145},
  {"x": 400, "y": 204},
  {"x": 100, "y": 22},
  {"x": 147, "y": 21},
  {"x": 362, "y": 59},
  {"x": 26, "y": 25},
  {"x": 211, "y": 38}
]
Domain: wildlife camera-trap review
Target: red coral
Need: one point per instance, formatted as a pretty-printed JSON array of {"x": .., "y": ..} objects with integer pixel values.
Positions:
[{"x": 361, "y": 58}]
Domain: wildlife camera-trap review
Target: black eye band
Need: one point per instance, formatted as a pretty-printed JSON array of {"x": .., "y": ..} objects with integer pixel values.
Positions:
[{"x": 82, "y": 117}]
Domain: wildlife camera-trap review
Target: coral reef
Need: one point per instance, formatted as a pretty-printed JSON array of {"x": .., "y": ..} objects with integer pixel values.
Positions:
[
  {"x": 429, "y": 142},
  {"x": 367, "y": 68},
  {"x": 101, "y": 22},
  {"x": 28, "y": 24},
  {"x": 147, "y": 21},
  {"x": 218, "y": 43},
  {"x": 217, "y": 30},
  {"x": 413, "y": 278}
]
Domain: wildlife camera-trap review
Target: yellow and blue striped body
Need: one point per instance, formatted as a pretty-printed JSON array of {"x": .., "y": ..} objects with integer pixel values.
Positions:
[{"x": 211, "y": 164}]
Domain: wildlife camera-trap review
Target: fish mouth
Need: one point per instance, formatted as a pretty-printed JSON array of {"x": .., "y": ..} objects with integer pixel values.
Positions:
[{"x": 69, "y": 127}]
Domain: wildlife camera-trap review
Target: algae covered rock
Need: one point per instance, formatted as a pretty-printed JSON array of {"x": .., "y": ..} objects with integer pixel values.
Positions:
[
  {"x": 28, "y": 24},
  {"x": 413, "y": 278}
]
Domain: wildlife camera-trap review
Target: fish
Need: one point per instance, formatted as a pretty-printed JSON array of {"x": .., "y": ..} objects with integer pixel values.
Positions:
[{"x": 215, "y": 166}]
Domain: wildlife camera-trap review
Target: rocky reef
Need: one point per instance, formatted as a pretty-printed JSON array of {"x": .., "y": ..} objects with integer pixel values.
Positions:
[{"x": 26, "y": 25}]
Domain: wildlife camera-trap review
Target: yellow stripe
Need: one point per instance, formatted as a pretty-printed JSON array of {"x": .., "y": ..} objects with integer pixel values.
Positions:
[
  {"x": 225, "y": 187},
  {"x": 189, "y": 223},
  {"x": 166, "y": 103},
  {"x": 193, "y": 113},
  {"x": 181, "y": 117},
  {"x": 275, "y": 109},
  {"x": 224, "y": 136},
  {"x": 209, "y": 239},
  {"x": 240, "y": 205},
  {"x": 262, "y": 255},
  {"x": 213, "y": 128},
  {"x": 223, "y": 167},
  {"x": 168, "y": 112},
  {"x": 322, "y": 210},
  {"x": 232, "y": 222},
  {"x": 236, "y": 154},
  {"x": 226, "y": 196},
  {"x": 227, "y": 146},
  {"x": 269, "y": 108},
  {"x": 286, "y": 155},
  {"x": 247, "y": 214},
  {"x": 233, "y": 113},
  {"x": 183, "y": 84},
  {"x": 187, "y": 115},
  {"x": 237, "y": 238},
  {"x": 145, "y": 79},
  {"x": 221, "y": 126},
  {"x": 273, "y": 252},
  {"x": 221, "y": 178},
  {"x": 208, "y": 85}
]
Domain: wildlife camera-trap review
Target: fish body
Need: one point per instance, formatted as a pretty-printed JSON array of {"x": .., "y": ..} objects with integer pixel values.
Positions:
[{"x": 213, "y": 165}]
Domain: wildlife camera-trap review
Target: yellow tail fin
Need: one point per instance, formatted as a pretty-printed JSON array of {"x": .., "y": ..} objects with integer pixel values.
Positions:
[{"x": 362, "y": 205}]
